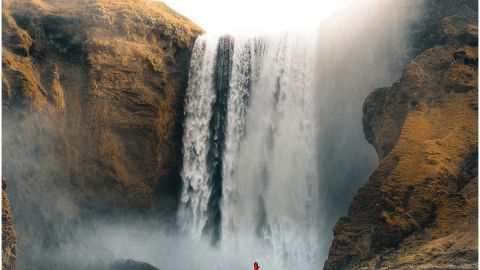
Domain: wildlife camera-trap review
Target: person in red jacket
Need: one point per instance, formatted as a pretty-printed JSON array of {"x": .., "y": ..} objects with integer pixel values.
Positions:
[{"x": 255, "y": 266}]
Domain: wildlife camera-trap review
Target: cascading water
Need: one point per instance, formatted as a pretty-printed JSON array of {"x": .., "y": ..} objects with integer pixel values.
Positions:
[
  {"x": 274, "y": 148},
  {"x": 272, "y": 188},
  {"x": 200, "y": 95},
  {"x": 249, "y": 165}
]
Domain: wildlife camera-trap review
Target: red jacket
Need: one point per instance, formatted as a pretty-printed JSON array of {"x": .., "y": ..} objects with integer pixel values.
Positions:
[{"x": 256, "y": 267}]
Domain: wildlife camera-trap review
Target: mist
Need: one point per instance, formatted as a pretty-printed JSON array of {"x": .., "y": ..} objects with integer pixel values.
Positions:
[
  {"x": 362, "y": 49},
  {"x": 321, "y": 146},
  {"x": 103, "y": 242}
]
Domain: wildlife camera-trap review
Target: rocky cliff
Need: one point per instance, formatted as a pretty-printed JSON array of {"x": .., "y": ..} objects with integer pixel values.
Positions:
[
  {"x": 92, "y": 110},
  {"x": 419, "y": 207},
  {"x": 9, "y": 238}
]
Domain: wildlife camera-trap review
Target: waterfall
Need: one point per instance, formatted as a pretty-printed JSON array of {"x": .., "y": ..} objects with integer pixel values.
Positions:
[
  {"x": 200, "y": 95},
  {"x": 274, "y": 149},
  {"x": 249, "y": 165}
]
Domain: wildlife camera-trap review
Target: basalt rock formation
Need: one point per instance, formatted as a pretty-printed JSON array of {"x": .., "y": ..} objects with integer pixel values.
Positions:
[
  {"x": 419, "y": 207},
  {"x": 92, "y": 107}
]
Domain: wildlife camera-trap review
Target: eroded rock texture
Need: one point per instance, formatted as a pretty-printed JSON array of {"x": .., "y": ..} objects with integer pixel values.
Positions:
[
  {"x": 9, "y": 237},
  {"x": 419, "y": 207},
  {"x": 92, "y": 110}
]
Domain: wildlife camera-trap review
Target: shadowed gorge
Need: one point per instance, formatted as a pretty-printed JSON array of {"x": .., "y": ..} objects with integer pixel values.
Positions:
[{"x": 132, "y": 139}]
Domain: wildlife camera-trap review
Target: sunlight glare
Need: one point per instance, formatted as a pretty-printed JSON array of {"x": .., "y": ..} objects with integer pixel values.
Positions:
[{"x": 255, "y": 16}]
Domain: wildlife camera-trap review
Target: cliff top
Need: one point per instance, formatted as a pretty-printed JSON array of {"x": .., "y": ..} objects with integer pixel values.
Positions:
[{"x": 111, "y": 14}]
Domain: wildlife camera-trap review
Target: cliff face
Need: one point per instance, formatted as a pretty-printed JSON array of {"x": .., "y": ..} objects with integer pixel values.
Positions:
[
  {"x": 92, "y": 108},
  {"x": 419, "y": 207},
  {"x": 9, "y": 237}
]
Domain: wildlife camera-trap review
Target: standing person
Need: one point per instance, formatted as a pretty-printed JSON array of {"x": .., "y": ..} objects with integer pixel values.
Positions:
[{"x": 255, "y": 266}]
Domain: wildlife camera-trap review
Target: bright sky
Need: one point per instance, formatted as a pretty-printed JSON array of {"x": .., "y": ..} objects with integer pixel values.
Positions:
[{"x": 255, "y": 16}]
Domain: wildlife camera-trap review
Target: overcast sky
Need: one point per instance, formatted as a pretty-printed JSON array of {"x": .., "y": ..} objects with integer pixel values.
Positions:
[{"x": 254, "y": 16}]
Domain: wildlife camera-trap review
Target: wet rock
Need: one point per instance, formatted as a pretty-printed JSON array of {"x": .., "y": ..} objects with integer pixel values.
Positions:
[{"x": 131, "y": 265}]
